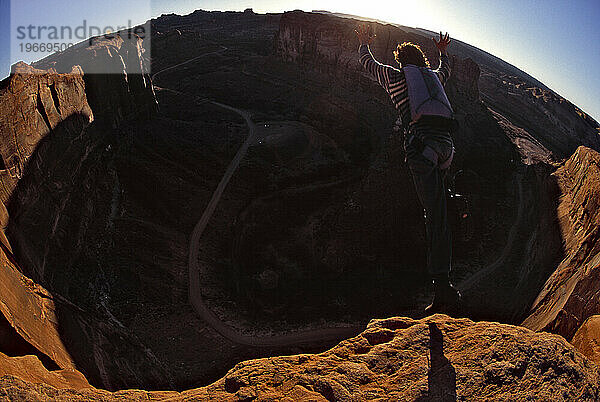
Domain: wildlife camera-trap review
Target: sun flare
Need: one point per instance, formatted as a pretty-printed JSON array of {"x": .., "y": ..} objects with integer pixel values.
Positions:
[{"x": 401, "y": 12}]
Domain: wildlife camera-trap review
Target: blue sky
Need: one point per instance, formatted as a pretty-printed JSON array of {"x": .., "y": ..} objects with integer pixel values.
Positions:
[{"x": 556, "y": 41}]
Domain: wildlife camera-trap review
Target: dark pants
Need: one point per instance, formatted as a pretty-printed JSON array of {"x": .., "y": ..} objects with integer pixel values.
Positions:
[{"x": 431, "y": 190}]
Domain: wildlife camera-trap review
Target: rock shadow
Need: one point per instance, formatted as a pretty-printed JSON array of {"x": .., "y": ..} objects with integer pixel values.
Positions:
[
  {"x": 441, "y": 378},
  {"x": 65, "y": 178}
]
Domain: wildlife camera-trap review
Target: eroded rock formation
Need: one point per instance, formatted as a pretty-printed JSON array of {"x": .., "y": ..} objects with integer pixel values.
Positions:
[
  {"x": 34, "y": 103},
  {"x": 587, "y": 339},
  {"x": 118, "y": 85},
  {"x": 570, "y": 295},
  {"x": 46, "y": 117},
  {"x": 30, "y": 369},
  {"x": 438, "y": 358}
]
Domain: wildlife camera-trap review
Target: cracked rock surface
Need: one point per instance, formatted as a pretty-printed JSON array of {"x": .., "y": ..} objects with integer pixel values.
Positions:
[{"x": 437, "y": 358}]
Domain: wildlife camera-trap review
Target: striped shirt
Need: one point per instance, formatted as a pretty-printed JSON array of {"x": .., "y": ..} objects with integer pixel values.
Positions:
[{"x": 394, "y": 82}]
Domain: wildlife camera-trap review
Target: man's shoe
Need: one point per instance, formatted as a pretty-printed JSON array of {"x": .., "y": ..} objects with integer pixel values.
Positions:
[{"x": 446, "y": 299}]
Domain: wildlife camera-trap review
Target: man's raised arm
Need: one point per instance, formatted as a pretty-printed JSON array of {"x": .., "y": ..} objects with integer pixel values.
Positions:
[
  {"x": 443, "y": 70},
  {"x": 376, "y": 69}
]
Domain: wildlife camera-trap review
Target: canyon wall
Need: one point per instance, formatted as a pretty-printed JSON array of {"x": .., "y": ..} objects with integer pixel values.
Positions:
[
  {"x": 328, "y": 43},
  {"x": 34, "y": 103},
  {"x": 55, "y": 116},
  {"x": 570, "y": 296},
  {"x": 116, "y": 75}
]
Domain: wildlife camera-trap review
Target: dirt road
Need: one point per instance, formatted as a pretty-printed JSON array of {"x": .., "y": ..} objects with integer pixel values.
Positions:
[{"x": 195, "y": 290}]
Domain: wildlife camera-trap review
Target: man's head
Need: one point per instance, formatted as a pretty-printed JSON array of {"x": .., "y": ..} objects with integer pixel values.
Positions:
[{"x": 409, "y": 53}]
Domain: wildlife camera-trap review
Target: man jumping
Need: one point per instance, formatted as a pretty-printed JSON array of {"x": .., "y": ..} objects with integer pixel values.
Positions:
[{"x": 418, "y": 95}]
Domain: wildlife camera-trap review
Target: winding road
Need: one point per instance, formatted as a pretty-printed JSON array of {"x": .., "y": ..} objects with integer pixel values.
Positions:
[
  {"x": 195, "y": 291},
  {"x": 301, "y": 336}
]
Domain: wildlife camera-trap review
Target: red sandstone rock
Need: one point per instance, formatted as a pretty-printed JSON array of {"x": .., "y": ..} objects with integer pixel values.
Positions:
[
  {"x": 587, "y": 339},
  {"x": 32, "y": 103},
  {"x": 570, "y": 295},
  {"x": 117, "y": 82},
  {"x": 30, "y": 310},
  {"x": 438, "y": 358},
  {"x": 30, "y": 369},
  {"x": 36, "y": 102}
]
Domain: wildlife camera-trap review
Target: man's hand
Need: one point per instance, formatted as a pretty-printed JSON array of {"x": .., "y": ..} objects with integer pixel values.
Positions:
[
  {"x": 443, "y": 42},
  {"x": 365, "y": 36}
]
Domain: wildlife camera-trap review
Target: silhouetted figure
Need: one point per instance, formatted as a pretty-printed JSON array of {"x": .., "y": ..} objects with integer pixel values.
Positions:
[{"x": 427, "y": 119}]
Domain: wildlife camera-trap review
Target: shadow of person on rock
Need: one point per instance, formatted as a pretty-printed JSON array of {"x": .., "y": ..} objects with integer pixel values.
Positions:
[{"x": 441, "y": 378}]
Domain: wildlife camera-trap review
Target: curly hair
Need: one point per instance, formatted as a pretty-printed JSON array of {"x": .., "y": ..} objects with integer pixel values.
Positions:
[{"x": 410, "y": 53}]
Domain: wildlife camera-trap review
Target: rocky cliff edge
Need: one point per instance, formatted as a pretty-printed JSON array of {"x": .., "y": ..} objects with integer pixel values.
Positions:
[{"x": 436, "y": 358}]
